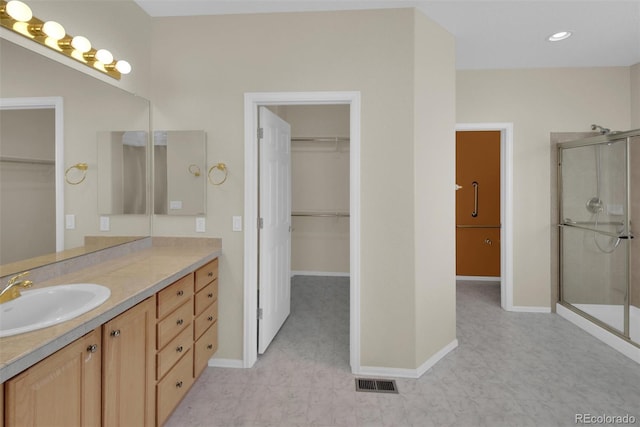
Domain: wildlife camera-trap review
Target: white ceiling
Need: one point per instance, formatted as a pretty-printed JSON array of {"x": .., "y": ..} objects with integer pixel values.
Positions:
[{"x": 489, "y": 34}]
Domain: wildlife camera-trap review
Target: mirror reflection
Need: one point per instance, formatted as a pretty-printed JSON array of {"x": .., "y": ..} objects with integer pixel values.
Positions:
[
  {"x": 89, "y": 106},
  {"x": 179, "y": 172},
  {"x": 122, "y": 172}
]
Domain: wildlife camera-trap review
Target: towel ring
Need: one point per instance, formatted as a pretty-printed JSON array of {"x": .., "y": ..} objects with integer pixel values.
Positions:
[
  {"x": 81, "y": 167},
  {"x": 194, "y": 170},
  {"x": 221, "y": 167}
]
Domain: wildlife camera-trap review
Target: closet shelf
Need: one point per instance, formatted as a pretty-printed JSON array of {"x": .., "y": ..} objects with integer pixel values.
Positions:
[
  {"x": 321, "y": 214},
  {"x": 26, "y": 160}
]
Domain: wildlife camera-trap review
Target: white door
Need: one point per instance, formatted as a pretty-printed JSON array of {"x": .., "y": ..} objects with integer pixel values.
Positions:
[{"x": 274, "y": 277}]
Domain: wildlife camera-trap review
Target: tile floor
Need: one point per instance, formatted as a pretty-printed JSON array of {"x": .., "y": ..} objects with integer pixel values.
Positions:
[{"x": 510, "y": 369}]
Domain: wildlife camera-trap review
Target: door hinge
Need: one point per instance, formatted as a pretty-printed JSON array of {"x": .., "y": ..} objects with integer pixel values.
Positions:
[
  {"x": 260, "y": 223},
  {"x": 259, "y": 314},
  {"x": 260, "y": 133}
]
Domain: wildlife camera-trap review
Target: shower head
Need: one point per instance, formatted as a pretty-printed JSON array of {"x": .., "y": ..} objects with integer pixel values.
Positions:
[{"x": 603, "y": 131}]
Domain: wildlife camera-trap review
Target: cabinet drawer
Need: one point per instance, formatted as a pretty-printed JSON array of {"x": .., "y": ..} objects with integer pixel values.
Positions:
[
  {"x": 177, "y": 348},
  {"x": 204, "y": 348},
  {"x": 174, "y": 323},
  {"x": 174, "y": 295},
  {"x": 173, "y": 387},
  {"x": 206, "y": 274},
  {"x": 205, "y": 319},
  {"x": 206, "y": 297}
]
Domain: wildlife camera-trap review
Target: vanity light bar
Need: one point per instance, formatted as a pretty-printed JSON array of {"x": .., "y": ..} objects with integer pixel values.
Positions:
[{"x": 17, "y": 17}]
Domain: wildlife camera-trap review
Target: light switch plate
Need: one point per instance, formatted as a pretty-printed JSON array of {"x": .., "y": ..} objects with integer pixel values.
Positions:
[
  {"x": 105, "y": 223},
  {"x": 70, "y": 221},
  {"x": 175, "y": 204},
  {"x": 200, "y": 225},
  {"x": 237, "y": 223}
]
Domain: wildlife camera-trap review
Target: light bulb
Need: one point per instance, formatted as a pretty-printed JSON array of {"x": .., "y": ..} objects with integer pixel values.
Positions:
[
  {"x": 104, "y": 56},
  {"x": 559, "y": 36},
  {"x": 19, "y": 11},
  {"x": 81, "y": 44},
  {"x": 54, "y": 30},
  {"x": 123, "y": 66}
]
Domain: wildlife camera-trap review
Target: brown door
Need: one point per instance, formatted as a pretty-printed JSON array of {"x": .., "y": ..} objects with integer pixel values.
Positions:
[{"x": 478, "y": 203}]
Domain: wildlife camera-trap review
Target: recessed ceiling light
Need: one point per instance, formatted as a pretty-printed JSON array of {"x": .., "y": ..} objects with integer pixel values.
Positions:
[{"x": 561, "y": 35}]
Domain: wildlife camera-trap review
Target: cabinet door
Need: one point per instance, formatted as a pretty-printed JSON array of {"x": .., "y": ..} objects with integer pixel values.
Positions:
[
  {"x": 128, "y": 374},
  {"x": 61, "y": 390}
]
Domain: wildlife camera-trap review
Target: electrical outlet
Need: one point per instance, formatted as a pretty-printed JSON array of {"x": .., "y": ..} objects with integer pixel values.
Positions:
[
  {"x": 70, "y": 221},
  {"x": 200, "y": 225},
  {"x": 105, "y": 223}
]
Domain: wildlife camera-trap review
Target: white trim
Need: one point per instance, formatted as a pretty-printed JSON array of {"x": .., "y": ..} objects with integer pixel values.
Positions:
[
  {"x": 530, "y": 309},
  {"x": 612, "y": 340},
  {"x": 409, "y": 373},
  {"x": 225, "y": 363},
  {"x": 506, "y": 207},
  {"x": 478, "y": 278},
  {"x": 251, "y": 103},
  {"x": 319, "y": 273},
  {"x": 55, "y": 102}
]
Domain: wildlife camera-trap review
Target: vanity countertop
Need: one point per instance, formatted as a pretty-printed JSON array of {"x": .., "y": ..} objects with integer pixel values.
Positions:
[{"x": 131, "y": 278}]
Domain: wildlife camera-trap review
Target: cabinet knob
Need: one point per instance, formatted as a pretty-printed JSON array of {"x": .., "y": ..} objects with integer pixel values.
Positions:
[
  {"x": 179, "y": 349},
  {"x": 210, "y": 294},
  {"x": 115, "y": 333},
  {"x": 210, "y": 274},
  {"x": 210, "y": 346},
  {"x": 180, "y": 293},
  {"x": 179, "y": 322},
  {"x": 179, "y": 384},
  {"x": 210, "y": 318},
  {"x": 488, "y": 241},
  {"x": 92, "y": 348}
]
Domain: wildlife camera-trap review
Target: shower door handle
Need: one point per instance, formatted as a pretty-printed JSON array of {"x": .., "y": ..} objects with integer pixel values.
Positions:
[{"x": 475, "y": 199}]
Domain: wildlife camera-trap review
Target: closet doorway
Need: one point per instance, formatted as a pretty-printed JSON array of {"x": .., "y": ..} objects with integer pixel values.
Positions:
[{"x": 321, "y": 192}]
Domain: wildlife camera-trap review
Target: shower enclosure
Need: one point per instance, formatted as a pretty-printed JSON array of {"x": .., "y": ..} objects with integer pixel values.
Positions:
[{"x": 599, "y": 211}]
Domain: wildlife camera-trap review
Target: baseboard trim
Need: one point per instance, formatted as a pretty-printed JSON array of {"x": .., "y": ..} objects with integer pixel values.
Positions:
[
  {"x": 225, "y": 363},
  {"x": 479, "y": 278},
  {"x": 319, "y": 273},
  {"x": 378, "y": 371},
  {"x": 617, "y": 343},
  {"x": 530, "y": 309}
]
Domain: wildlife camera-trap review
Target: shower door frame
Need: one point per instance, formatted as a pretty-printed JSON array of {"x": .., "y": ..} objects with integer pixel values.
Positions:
[{"x": 585, "y": 142}]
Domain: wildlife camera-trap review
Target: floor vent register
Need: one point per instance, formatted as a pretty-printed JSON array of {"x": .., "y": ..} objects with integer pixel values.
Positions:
[{"x": 376, "y": 386}]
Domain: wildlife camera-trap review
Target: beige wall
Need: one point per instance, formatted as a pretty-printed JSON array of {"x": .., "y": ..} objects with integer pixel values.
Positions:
[
  {"x": 635, "y": 96},
  {"x": 367, "y": 51},
  {"x": 538, "y": 102}
]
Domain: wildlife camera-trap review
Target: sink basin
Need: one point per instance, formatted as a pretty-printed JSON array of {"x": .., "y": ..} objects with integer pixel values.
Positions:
[{"x": 40, "y": 308}]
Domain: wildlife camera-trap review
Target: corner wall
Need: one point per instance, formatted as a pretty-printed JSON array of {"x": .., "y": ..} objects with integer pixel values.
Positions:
[{"x": 635, "y": 96}]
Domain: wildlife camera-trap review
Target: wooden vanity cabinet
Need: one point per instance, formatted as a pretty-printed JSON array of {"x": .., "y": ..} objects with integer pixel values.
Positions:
[
  {"x": 62, "y": 390},
  {"x": 128, "y": 377}
]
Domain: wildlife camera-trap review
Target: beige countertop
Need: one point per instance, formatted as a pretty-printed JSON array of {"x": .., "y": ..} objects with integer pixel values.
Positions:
[{"x": 131, "y": 278}]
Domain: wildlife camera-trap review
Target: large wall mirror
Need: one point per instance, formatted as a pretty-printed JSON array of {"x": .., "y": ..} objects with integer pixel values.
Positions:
[{"x": 30, "y": 166}]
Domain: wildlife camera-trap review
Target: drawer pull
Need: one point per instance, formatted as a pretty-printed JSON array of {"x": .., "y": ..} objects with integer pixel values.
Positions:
[
  {"x": 115, "y": 333},
  {"x": 179, "y": 322},
  {"x": 210, "y": 318},
  {"x": 179, "y": 384},
  {"x": 179, "y": 349},
  {"x": 180, "y": 293},
  {"x": 210, "y": 294},
  {"x": 92, "y": 348},
  {"x": 210, "y": 274},
  {"x": 210, "y": 346}
]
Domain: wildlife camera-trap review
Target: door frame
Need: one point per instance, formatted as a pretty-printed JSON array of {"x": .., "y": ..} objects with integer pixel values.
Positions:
[
  {"x": 506, "y": 205},
  {"x": 55, "y": 103},
  {"x": 252, "y": 101}
]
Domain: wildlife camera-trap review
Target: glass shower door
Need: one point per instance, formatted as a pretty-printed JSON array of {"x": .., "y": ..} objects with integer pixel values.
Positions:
[{"x": 594, "y": 218}]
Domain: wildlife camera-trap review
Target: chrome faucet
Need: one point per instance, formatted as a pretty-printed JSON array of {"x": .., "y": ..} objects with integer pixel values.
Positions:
[{"x": 11, "y": 291}]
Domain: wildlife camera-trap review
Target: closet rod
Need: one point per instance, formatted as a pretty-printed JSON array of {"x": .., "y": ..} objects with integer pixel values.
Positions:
[
  {"x": 321, "y": 139},
  {"x": 321, "y": 214},
  {"x": 24, "y": 160}
]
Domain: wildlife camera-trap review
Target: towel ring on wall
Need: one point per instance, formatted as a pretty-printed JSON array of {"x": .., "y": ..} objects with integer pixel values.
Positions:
[
  {"x": 79, "y": 166},
  {"x": 221, "y": 167},
  {"x": 194, "y": 170}
]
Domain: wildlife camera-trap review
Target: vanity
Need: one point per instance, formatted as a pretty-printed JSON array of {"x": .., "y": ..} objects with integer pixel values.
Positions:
[{"x": 129, "y": 361}]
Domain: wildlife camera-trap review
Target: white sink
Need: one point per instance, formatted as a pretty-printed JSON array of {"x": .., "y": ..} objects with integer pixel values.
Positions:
[{"x": 40, "y": 308}]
